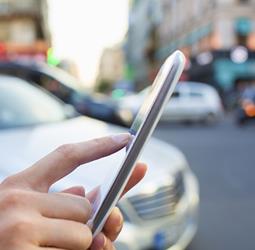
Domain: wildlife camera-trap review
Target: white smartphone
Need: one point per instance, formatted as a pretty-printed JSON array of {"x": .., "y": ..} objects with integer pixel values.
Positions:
[{"x": 141, "y": 129}]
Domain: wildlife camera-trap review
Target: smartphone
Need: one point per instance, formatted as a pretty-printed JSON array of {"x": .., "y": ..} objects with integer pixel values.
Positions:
[{"x": 144, "y": 123}]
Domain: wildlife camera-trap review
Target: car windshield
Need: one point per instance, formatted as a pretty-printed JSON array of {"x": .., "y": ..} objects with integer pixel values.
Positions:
[
  {"x": 65, "y": 78},
  {"x": 22, "y": 104}
]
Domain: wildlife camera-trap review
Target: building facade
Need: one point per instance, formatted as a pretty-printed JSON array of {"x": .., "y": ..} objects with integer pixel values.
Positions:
[
  {"x": 111, "y": 68},
  {"x": 217, "y": 37},
  {"x": 144, "y": 18},
  {"x": 202, "y": 25},
  {"x": 24, "y": 30}
]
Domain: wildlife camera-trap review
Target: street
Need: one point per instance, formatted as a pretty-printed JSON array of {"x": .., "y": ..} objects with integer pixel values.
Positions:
[{"x": 223, "y": 158}]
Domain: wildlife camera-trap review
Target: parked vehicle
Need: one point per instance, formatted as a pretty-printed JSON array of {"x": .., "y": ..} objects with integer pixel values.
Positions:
[
  {"x": 246, "y": 108},
  {"x": 191, "y": 102},
  {"x": 161, "y": 212},
  {"x": 65, "y": 87}
]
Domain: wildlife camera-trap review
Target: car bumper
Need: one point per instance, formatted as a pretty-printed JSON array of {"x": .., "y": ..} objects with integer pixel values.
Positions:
[{"x": 173, "y": 233}]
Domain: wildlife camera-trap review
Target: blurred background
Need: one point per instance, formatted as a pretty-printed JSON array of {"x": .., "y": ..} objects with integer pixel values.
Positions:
[{"x": 99, "y": 58}]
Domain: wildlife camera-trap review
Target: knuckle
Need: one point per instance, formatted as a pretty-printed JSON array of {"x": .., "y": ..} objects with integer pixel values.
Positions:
[
  {"x": 68, "y": 152},
  {"x": 103, "y": 142},
  {"x": 100, "y": 143},
  {"x": 13, "y": 198},
  {"x": 18, "y": 228},
  {"x": 97, "y": 141},
  {"x": 9, "y": 181},
  {"x": 66, "y": 149},
  {"x": 22, "y": 226}
]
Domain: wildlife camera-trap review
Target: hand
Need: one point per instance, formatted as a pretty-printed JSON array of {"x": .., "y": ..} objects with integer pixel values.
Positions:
[
  {"x": 33, "y": 219},
  {"x": 114, "y": 223}
]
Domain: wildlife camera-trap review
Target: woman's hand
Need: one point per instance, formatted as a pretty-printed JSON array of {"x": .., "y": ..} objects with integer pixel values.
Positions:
[{"x": 33, "y": 219}]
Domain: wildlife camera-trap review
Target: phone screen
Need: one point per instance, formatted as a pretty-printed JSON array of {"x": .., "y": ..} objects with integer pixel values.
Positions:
[
  {"x": 103, "y": 189},
  {"x": 143, "y": 125}
]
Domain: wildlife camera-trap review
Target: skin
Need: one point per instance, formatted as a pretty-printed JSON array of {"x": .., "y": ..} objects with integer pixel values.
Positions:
[{"x": 33, "y": 219}]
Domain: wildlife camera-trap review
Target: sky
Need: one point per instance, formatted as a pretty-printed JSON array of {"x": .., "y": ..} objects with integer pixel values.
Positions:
[{"x": 81, "y": 29}]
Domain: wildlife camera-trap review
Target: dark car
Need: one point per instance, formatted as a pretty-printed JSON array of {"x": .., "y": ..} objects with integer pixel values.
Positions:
[
  {"x": 65, "y": 87},
  {"x": 246, "y": 109}
]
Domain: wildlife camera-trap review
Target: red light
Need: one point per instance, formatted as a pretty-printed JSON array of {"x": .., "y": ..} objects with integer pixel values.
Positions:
[{"x": 2, "y": 48}]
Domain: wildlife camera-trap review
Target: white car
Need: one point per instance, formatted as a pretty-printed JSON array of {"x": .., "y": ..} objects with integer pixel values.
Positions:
[
  {"x": 161, "y": 212},
  {"x": 191, "y": 101}
]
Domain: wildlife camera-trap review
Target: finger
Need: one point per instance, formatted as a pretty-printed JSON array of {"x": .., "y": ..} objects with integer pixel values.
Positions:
[
  {"x": 92, "y": 195},
  {"x": 109, "y": 245},
  {"x": 77, "y": 190},
  {"x": 63, "y": 206},
  {"x": 101, "y": 242},
  {"x": 65, "y": 234},
  {"x": 68, "y": 157},
  {"x": 137, "y": 175},
  {"x": 98, "y": 242},
  {"x": 113, "y": 224}
]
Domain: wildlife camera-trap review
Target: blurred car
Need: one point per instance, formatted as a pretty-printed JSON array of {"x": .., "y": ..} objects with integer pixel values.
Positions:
[
  {"x": 65, "y": 87},
  {"x": 246, "y": 109},
  {"x": 159, "y": 213},
  {"x": 190, "y": 102}
]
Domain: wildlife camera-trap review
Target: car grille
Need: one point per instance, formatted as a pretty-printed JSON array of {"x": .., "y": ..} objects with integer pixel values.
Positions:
[{"x": 162, "y": 202}]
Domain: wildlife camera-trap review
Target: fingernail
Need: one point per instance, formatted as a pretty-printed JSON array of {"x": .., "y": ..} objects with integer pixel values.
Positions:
[
  {"x": 121, "y": 138},
  {"x": 99, "y": 242}
]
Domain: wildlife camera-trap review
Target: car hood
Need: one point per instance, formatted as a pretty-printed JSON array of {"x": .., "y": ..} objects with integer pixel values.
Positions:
[{"x": 24, "y": 146}]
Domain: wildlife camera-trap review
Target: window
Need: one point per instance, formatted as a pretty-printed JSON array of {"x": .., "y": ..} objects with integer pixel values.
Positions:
[
  {"x": 241, "y": 39},
  {"x": 51, "y": 85},
  {"x": 21, "y": 104},
  {"x": 243, "y": 27}
]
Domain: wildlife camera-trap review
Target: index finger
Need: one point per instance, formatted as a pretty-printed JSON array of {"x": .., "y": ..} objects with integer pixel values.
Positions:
[{"x": 68, "y": 157}]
